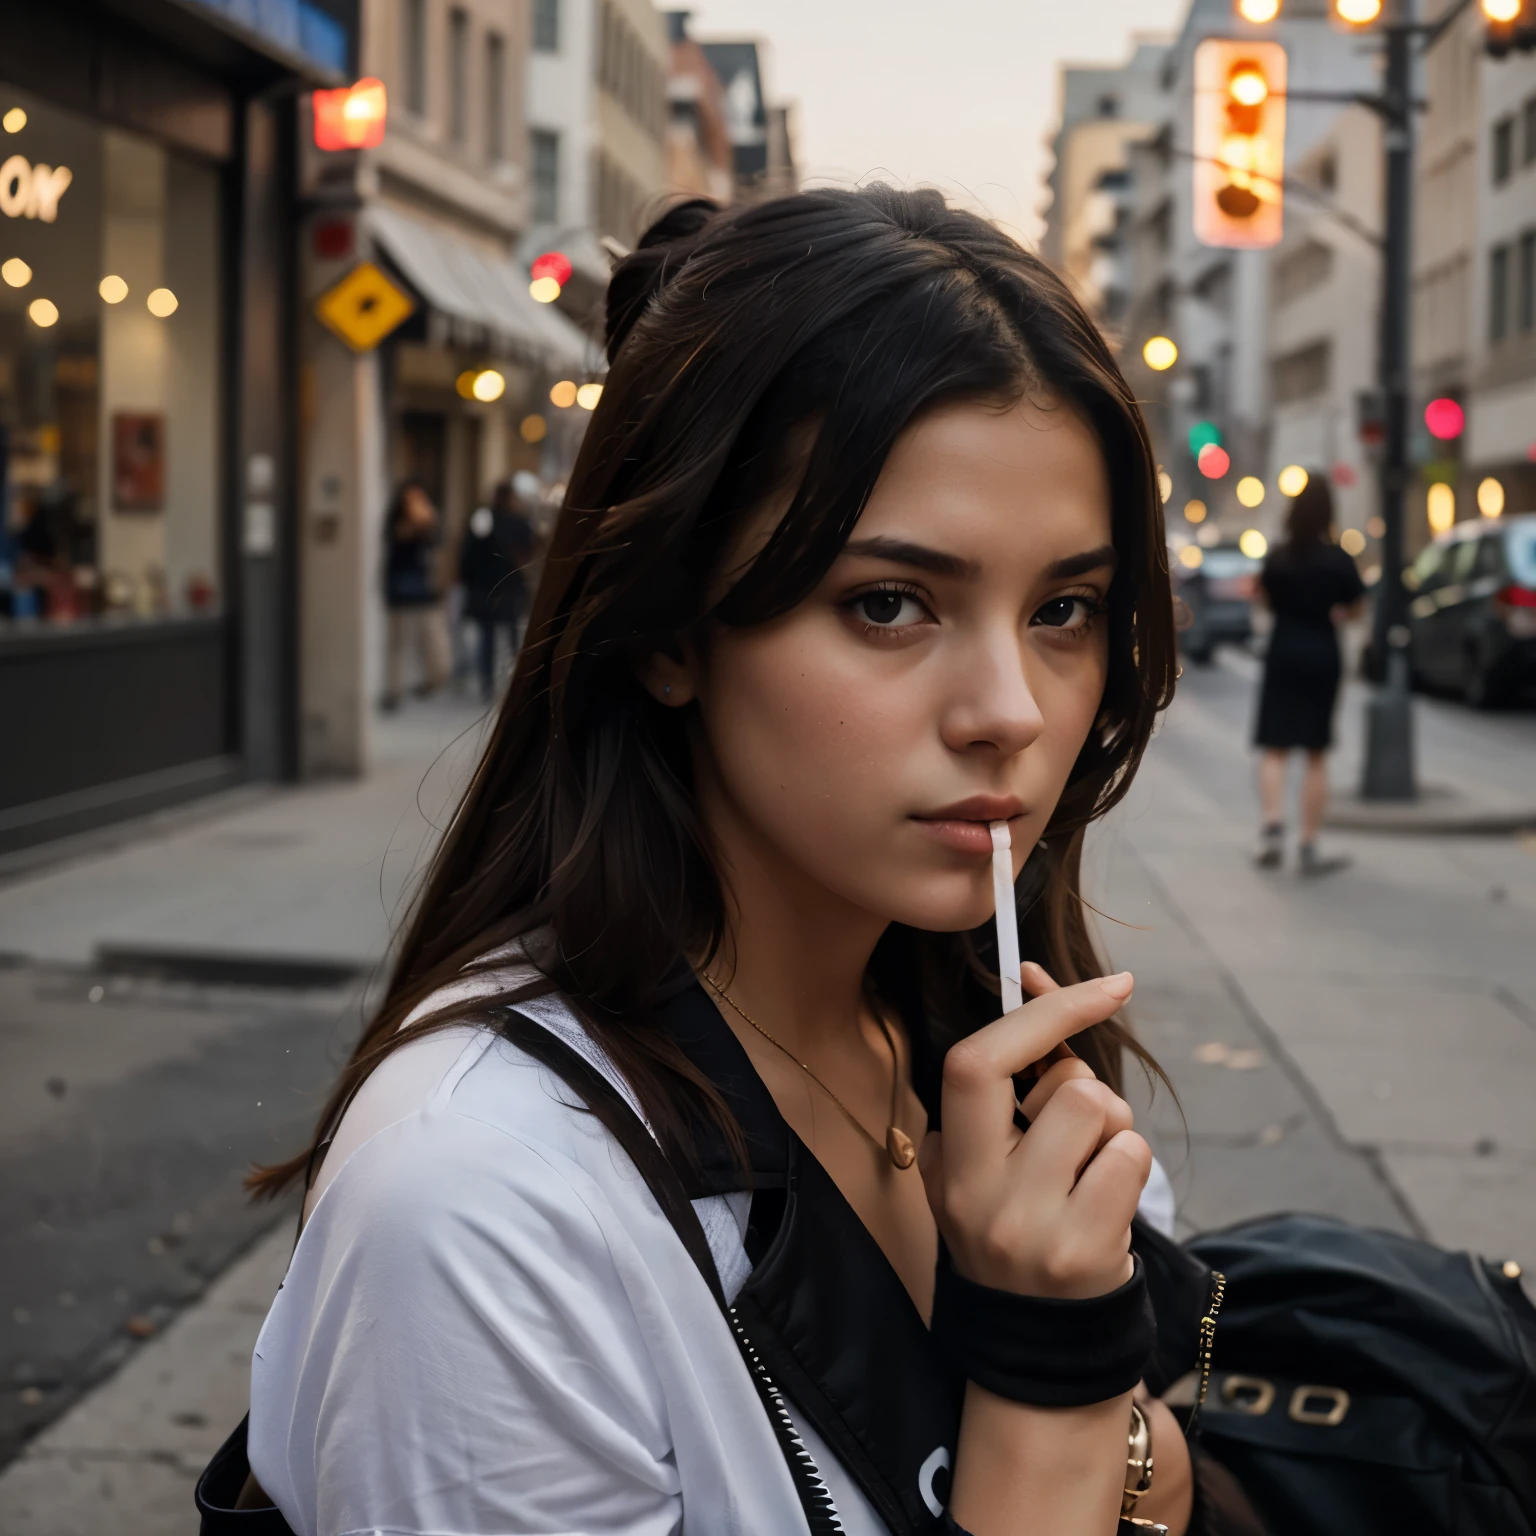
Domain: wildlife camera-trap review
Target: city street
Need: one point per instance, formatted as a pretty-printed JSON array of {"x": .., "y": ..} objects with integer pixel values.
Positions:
[{"x": 1364, "y": 1045}]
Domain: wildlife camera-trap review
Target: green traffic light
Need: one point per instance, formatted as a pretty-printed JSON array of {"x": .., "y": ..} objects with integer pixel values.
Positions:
[{"x": 1203, "y": 435}]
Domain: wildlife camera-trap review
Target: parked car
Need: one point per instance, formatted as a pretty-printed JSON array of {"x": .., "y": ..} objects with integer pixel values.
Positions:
[
  {"x": 1472, "y": 613},
  {"x": 1219, "y": 596}
]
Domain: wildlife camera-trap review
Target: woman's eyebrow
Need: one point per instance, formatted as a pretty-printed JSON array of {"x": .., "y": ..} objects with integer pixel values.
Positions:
[
  {"x": 1080, "y": 565},
  {"x": 902, "y": 552}
]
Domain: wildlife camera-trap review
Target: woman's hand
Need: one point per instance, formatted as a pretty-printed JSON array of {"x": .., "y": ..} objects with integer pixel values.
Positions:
[{"x": 1045, "y": 1212}]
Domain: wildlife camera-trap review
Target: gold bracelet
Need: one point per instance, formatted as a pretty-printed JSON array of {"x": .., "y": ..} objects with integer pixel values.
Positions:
[{"x": 1138, "y": 1461}]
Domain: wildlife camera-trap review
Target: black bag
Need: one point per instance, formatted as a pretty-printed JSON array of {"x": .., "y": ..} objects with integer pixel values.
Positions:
[{"x": 1365, "y": 1383}]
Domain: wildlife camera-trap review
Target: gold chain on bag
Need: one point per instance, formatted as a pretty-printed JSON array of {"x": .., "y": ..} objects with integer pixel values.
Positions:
[{"x": 1207, "y": 1343}]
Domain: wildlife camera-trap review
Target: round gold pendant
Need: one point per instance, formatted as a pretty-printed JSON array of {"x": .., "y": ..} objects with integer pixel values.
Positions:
[{"x": 899, "y": 1145}]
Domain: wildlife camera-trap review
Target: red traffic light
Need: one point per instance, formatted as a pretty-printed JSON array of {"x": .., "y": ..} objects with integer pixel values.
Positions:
[
  {"x": 1213, "y": 461},
  {"x": 352, "y": 117},
  {"x": 551, "y": 264},
  {"x": 1444, "y": 418}
]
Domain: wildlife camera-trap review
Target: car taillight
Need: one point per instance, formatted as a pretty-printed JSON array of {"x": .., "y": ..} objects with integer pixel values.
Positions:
[
  {"x": 1517, "y": 607},
  {"x": 1516, "y": 597}
]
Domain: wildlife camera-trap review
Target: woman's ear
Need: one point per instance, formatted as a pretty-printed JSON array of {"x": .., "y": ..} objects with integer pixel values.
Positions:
[{"x": 667, "y": 678}]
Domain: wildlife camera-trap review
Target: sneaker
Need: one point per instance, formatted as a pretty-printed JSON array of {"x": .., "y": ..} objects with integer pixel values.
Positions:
[
  {"x": 1314, "y": 863},
  {"x": 1271, "y": 850}
]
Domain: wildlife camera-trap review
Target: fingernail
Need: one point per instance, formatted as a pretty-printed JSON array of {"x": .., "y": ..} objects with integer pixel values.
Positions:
[{"x": 1118, "y": 986}]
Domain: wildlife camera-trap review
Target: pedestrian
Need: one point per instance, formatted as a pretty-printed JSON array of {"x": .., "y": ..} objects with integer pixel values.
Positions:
[
  {"x": 627, "y": 1213},
  {"x": 1311, "y": 586},
  {"x": 496, "y": 550},
  {"x": 413, "y": 601}
]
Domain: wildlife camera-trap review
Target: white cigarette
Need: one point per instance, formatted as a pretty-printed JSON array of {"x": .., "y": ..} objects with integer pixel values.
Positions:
[{"x": 1007, "y": 916}]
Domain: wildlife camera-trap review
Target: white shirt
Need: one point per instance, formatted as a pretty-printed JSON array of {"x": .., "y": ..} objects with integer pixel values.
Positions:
[{"x": 489, "y": 1327}]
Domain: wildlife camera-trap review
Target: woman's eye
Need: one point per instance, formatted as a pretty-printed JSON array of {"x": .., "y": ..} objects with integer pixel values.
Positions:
[
  {"x": 889, "y": 608},
  {"x": 1071, "y": 613}
]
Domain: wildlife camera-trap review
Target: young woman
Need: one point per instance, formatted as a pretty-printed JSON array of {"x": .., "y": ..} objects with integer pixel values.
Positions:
[
  {"x": 1310, "y": 585},
  {"x": 862, "y": 554}
]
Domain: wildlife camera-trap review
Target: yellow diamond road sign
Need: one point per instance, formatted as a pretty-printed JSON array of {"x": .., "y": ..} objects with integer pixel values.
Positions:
[{"x": 364, "y": 307}]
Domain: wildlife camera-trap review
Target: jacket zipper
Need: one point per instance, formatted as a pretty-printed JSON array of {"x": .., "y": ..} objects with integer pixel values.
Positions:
[{"x": 1204, "y": 1347}]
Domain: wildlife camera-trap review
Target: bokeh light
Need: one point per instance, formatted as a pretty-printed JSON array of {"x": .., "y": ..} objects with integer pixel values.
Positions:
[
  {"x": 1440, "y": 504},
  {"x": 1358, "y": 12},
  {"x": 1292, "y": 480},
  {"x": 43, "y": 313},
  {"x": 489, "y": 385},
  {"x": 1194, "y": 511},
  {"x": 1444, "y": 418},
  {"x": 1258, "y": 11},
  {"x": 555, "y": 264},
  {"x": 1352, "y": 541},
  {"x": 16, "y": 272},
  {"x": 1209, "y": 535},
  {"x": 1213, "y": 461},
  {"x": 563, "y": 394},
  {"x": 1248, "y": 87},
  {"x": 1376, "y": 527},
  {"x": 533, "y": 429},
  {"x": 1490, "y": 497},
  {"x": 1164, "y": 484},
  {"x": 14, "y": 120},
  {"x": 545, "y": 290},
  {"x": 1201, "y": 433},
  {"x": 1253, "y": 544},
  {"x": 1250, "y": 491},
  {"x": 1159, "y": 353},
  {"x": 588, "y": 396},
  {"x": 1192, "y": 557},
  {"x": 112, "y": 288},
  {"x": 161, "y": 303},
  {"x": 1502, "y": 11}
]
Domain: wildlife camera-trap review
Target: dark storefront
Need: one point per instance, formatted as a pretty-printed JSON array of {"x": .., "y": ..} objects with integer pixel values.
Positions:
[{"x": 146, "y": 392}]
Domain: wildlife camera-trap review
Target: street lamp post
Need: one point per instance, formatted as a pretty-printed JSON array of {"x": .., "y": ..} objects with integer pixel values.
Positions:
[{"x": 1388, "y": 771}]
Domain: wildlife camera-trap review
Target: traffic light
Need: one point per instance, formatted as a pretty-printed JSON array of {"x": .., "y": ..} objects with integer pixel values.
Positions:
[
  {"x": 1511, "y": 26},
  {"x": 1239, "y": 139}
]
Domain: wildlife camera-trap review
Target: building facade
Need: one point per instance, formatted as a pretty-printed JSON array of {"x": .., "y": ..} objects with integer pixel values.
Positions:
[
  {"x": 440, "y": 207},
  {"x": 147, "y": 436}
]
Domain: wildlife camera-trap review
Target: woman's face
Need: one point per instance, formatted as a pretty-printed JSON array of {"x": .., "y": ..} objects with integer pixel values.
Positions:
[{"x": 944, "y": 674}]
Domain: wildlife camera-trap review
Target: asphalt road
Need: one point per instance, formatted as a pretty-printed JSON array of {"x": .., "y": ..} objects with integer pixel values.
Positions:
[{"x": 129, "y": 1113}]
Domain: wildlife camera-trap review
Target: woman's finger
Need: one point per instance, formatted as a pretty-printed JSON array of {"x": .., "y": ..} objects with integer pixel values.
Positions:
[
  {"x": 979, "y": 1099},
  {"x": 1083, "y": 1116},
  {"x": 1110, "y": 1189},
  {"x": 1053, "y": 1077}
]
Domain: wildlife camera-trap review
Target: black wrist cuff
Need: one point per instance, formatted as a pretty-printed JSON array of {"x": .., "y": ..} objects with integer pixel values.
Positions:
[
  {"x": 1043, "y": 1350},
  {"x": 1125, "y": 1528}
]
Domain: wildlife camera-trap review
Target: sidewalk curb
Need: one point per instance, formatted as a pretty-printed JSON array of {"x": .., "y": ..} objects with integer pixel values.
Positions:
[{"x": 1437, "y": 811}]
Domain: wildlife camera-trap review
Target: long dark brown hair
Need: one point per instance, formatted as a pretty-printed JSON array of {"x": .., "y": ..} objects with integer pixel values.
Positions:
[
  {"x": 783, "y": 344},
  {"x": 1309, "y": 518}
]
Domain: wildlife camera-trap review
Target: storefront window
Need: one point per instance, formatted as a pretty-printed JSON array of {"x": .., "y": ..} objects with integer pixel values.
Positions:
[{"x": 109, "y": 379}]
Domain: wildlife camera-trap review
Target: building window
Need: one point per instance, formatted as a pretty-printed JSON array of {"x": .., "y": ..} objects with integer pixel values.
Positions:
[
  {"x": 546, "y": 26},
  {"x": 495, "y": 97},
  {"x": 1498, "y": 293},
  {"x": 1503, "y": 150},
  {"x": 111, "y": 362},
  {"x": 1527, "y": 309},
  {"x": 413, "y": 49},
  {"x": 1528, "y": 153},
  {"x": 544, "y": 153},
  {"x": 458, "y": 75}
]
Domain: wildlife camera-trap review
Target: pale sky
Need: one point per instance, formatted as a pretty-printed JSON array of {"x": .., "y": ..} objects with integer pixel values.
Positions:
[{"x": 954, "y": 93}]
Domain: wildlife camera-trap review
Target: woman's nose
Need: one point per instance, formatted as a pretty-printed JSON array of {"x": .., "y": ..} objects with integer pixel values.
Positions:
[{"x": 993, "y": 705}]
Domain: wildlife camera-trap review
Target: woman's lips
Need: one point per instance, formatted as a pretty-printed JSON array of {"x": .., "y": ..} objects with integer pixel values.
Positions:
[{"x": 962, "y": 834}]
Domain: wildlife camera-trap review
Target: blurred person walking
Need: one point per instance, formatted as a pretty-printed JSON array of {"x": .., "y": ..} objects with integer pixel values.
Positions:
[
  {"x": 1311, "y": 586},
  {"x": 497, "y": 548},
  {"x": 416, "y": 623}
]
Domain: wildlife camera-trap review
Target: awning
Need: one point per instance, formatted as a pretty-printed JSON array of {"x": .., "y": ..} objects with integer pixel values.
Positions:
[{"x": 483, "y": 293}]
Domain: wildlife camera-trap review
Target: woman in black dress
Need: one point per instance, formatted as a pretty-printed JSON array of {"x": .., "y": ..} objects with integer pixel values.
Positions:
[{"x": 1309, "y": 584}]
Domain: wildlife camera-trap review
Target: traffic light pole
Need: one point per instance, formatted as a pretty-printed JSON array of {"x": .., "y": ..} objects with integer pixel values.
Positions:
[{"x": 1388, "y": 771}]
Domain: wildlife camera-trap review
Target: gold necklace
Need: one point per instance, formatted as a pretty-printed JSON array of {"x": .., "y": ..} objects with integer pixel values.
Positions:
[{"x": 898, "y": 1145}]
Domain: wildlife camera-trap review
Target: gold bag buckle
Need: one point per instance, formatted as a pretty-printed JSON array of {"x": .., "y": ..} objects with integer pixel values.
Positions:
[{"x": 1302, "y": 1410}]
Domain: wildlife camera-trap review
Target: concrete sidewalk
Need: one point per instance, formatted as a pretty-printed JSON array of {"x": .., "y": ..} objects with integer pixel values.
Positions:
[{"x": 316, "y": 872}]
